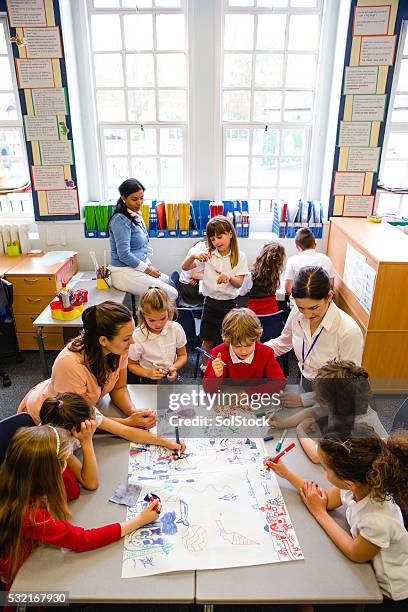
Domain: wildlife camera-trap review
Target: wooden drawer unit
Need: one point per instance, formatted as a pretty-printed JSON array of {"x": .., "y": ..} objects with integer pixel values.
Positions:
[
  {"x": 52, "y": 341},
  {"x": 24, "y": 323},
  {"x": 33, "y": 285},
  {"x": 30, "y": 304}
]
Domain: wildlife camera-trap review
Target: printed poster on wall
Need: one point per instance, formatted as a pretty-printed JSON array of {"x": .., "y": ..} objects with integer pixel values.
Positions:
[
  {"x": 377, "y": 50},
  {"x": 43, "y": 42},
  {"x": 26, "y": 13},
  {"x": 358, "y": 206},
  {"x": 363, "y": 159},
  {"x": 49, "y": 101},
  {"x": 368, "y": 108},
  {"x": 62, "y": 202},
  {"x": 34, "y": 73},
  {"x": 47, "y": 178},
  {"x": 348, "y": 183},
  {"x": 41, "y": 128},
  {"x": 354, "y": 134},
  {"x": 371, "y": 20},
  {"x": 353, "y": 270},
  {"x": 53, "y": 153},
  {"x": 359, "y": 80}
]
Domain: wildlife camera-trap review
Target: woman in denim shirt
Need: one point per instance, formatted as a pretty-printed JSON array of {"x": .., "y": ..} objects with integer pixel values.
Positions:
[{"x": 130, "y": 265}]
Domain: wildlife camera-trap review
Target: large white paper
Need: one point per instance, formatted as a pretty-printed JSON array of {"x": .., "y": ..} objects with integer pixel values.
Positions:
[
  {"x": 49, "y": 101},
  {"x": 359, "y": 80},
  {"x": 26, "y": 13},
  {"x": 62, "y": 202},
  {"x": 41, "y": 128},
  {"x": 353, "y": 270},
  {"x": 368, "y": 108},
  {"x": 363, "y": 159},
  {"x": 358, "y": 206},
  {"x": 43, "y": 42},
  {"x": 348, "y": 183},
  {"x": 377, "y": 50},
  {"x": 33, "y": 73},
  {"x": 219, "y": 509},
  {"x": 46, "y": 178},
  {"x": 53, "y": 153},
  {"x": 371, "y": 20},
  {"x": 354, "y": 133},
  {"x": 367, "y": 292}
]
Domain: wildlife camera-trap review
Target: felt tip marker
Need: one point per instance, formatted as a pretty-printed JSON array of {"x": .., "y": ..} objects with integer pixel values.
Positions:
[
  {"x": 279, "y": 444},
  {"x": 200, "y": 350},
  {"x": 178, "y": 441},
  {"x": 287, "y": 449},
  {"x": 268, "y": 438}
]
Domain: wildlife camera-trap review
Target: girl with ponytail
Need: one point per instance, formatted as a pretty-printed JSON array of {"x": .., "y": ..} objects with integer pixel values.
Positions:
[{"x": 266, "y": 273}]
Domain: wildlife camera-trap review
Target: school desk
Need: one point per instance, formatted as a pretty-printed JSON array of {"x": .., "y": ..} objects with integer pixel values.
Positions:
[
  {"x": 324, "y": 576},
  {"x": 82, "y": 280}
]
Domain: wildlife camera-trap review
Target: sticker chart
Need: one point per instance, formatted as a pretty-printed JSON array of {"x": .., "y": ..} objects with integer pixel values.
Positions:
[{"x": 219, "y": 509}]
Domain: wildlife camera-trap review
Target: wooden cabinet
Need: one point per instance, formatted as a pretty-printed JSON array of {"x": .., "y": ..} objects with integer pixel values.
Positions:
[
  {"x": 35, "y": 284},
  {"x": 385, "y": 326}
]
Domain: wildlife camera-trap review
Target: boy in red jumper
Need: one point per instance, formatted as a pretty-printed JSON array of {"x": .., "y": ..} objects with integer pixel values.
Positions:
[{"x": 241, "y": 355}]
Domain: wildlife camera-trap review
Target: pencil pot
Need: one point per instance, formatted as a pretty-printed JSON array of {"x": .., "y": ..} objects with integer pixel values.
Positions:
[{"x": 102, "y": 283}]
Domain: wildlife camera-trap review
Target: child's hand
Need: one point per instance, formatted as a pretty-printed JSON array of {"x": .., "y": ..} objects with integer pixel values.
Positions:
[
  {"x": 306, "y": 426},
  {"x": 86, "y": 432},
  {"x": 172, "y": 374},
  {"x": 275, "y": 423},
  {"x": 173, "y": 446},
  {"x": 291, "y": 400},
  {"x": 203, "y": 257},
  {"x": 145, "y": 419},
  {"x": 218, "y": 366},
  {"x": 150, "y": 513},
  {"x": 157, "y": 373},
  {"x": 193, "y": 282},
  {"x": 223, "y": 278},
  {"x": 314, "y": 498},
  {"x": 279, "y": 467},
  {"x": 153, "y": 272}
]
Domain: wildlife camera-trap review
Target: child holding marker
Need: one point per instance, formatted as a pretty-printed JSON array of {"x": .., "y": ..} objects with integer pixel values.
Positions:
[
  {"x": 225, "y": 267},
  {"x": 159, "y": 343},
  {"x": 33, "y": 501},
  {"x": 369, "y": 478}
]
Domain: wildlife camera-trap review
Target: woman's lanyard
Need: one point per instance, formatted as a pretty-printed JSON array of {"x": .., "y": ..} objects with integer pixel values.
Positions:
[{"x": 304, "y": 357}]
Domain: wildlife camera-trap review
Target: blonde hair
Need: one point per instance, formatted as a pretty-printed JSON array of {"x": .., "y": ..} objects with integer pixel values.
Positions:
[
  {"x": 222, "y": 225},
  {"x": 154, "y": 300},
  {"x": 241, "y": 325}
]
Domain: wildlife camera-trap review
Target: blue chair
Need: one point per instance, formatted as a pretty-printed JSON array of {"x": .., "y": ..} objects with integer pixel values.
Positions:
[
  {"x": 401, "y": 417},
  {"x": 272, "y": 325},
  {"x": 174, "y": 277},
  {"x": 8, "y": 428},
  {"x": 191, "y": 326}
]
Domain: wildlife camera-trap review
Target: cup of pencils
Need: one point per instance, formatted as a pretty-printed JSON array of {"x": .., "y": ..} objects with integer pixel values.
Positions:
[{"x": 102, "y": 272}]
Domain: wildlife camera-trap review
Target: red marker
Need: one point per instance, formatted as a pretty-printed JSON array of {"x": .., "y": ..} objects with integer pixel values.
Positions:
[{"x": 287, "y": 449}]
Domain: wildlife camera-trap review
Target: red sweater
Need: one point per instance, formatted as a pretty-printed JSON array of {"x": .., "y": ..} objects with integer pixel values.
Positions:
[{"x": 264, "y": 365}]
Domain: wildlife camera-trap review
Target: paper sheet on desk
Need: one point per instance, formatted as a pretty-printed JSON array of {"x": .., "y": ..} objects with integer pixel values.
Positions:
[
  {"x": 53, "y": 257},
  {"x": 219, "y": 509}
]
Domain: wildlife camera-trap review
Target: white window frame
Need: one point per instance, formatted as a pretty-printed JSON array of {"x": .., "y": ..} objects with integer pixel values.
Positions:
[{"x": 102, "y": 125}]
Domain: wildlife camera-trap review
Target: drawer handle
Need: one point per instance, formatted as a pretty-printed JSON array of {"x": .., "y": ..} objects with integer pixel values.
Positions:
[
  {"x": 33, "y": 300},
  {"x": 31, "y": 280}
]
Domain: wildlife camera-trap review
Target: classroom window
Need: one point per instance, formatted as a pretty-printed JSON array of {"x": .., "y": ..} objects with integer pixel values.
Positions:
[
  {"x": 394, "y": 162},
  {"x": 13, "y": 158},
  {"x": 268, "y": 89},
  {"x": 139, "y": 63}
]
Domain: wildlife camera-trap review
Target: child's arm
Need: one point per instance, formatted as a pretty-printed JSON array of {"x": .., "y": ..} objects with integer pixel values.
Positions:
[
  {"x": 189, "y": 263},
  {"x": 178, "y": 364},
  {"x": 154, "y": 373},
  {"x": 307, "y": 443},
  {"x": 139, "y": 436},
  {"x": 87, "y": 472},
  {"x": 235, "y": 281},
  {"x": 356, "y": 549},
  {"x": 292, "y": 421},
  {"x": 281, "y": 470}
]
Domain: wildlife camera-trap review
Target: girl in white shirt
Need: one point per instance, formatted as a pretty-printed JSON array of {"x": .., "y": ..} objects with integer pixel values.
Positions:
[
  {"x": 225, "y": 267},
  {"x": 159, "y": 343},
  {"x": 317, "y": 330},
  {"x": 369, "y": 478}
]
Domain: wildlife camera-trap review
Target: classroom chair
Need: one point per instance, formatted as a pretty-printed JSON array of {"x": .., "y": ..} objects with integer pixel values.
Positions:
[
  {"x": 7, "y": 328},
  {"x": 191, "y": 326},
  {"x": 175, "y": 277},
  {"x": 272, "y": 325},
  {"x": 8, "y": 428},
  {"x": 401, "y": 417}
]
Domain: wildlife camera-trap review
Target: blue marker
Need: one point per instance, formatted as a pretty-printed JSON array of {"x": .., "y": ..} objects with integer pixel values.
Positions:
[
  {"x": 200, "y": 350},
  {"x": 178, "y": 441},
  {"x": 268, "y": 438}
]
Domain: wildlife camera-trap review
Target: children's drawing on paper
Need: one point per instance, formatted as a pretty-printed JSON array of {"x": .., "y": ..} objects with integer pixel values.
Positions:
[{"x": 219, "y": 509}]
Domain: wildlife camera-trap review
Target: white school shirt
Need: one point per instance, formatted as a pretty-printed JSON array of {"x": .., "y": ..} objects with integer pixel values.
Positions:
[
  {"x": 221, "y": 263},
  {"x": 381, "y": 524},
  {"x": 309, "y": 257},
  {"x": 340, "y": 338},
  {"x": 160, "y": 348},
  {"x": 200, "y": 247}
]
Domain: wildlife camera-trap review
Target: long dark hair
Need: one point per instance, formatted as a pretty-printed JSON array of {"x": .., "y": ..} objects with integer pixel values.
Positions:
[
  {"x": 129, "y": 186},
  {"x": 311, "y": 282},
  {"x": 268, "y": 266},
  {"x": 104, "y": 319},
  {"x": 66, "y": 410}
]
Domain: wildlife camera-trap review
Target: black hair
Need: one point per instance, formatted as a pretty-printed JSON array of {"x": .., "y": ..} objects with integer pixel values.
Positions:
[
  {"x": 129, "y": 186},
  {"x": 311, "y": 282}
]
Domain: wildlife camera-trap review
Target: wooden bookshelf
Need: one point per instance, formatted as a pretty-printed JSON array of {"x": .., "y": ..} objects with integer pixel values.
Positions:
[{"x": 385, "y": 327}]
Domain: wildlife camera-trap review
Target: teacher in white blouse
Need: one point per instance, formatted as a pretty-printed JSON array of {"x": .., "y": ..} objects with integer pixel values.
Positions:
[{"x": 317, "y": 330}]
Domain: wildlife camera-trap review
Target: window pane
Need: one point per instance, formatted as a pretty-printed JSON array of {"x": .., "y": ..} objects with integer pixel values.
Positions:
[
  {"x": 271, "y": 32},
  {"x": 10, "y": 143},
  {"x": 303, "y": 3},
  {"x": 236, "y": 193},
  {"x": 293, "y": 142},
  {"x": 265, "y": 143},
  {"x": 3, "y": 45},
  {"x": 236, "y": 171},
  {"x": 388, "y": 203},
  {"x": 405, "y": 52},
  {"x": 170, "y": 32},
  {"x": 140, "y": 70},
  {"x": 118, "y": 171},
  {"x": 241, "y": 2},
  {"x": 264, "y": 171},
  {"x": 300, "y": 71},
  {"x": 267, "y": 106},
  {"x": 303, "y": 33},
  {"x": 143, "y": 142},
  {"x": 171, "y": 141},
  {"x": 106, "y": 33},
  {"x": 239, "y": 32},
  {"x": 137, "y": 3},
  {"x": 115, "y": 141},
  {"x": 14, "y": 173},
  {"x": 291, "y": 196},
  {"x": 237, "y": 142},
  {"x": 105, "y": 3},
  {"x": 138, "y": 32},
  {"x": 111, "y": 105},
  {"x": 5, "y": 74},
  {"x": 395, "y": 173},
  {"x": 171, "y": 171},
  {"x": 398, "y": 145},
  {"x": 265, "y": 193},
  {"x": 8, "y": 107},
  {"x": 168, "y": 3},
  {"x": 171, "y": 69},
  {"x": 108, "y": 70},
  {"x": 291, "y": 171},
  {"x": 268, "y": 70},
  {"x": 298, "y": 106},
  {"x": 236, "y": 105},
  {"x": 145, "y": 169},
  {"x": 142, "y": 105},
  {"x": 400, "y": 109},
  {"x": 237, "y": 69},
  {"x": 272, "y": 3},
  {"x": 403, "y": 76},
  {"x": 172, "y": 105}
]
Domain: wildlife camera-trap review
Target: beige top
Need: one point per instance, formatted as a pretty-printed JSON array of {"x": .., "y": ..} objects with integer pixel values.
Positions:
[{"x": 70, "y": 374}]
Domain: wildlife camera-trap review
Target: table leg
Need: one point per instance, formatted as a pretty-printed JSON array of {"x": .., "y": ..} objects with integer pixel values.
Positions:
[
  {"x": 43, "y": 357},
  {"x": 133, "y": 305}
]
